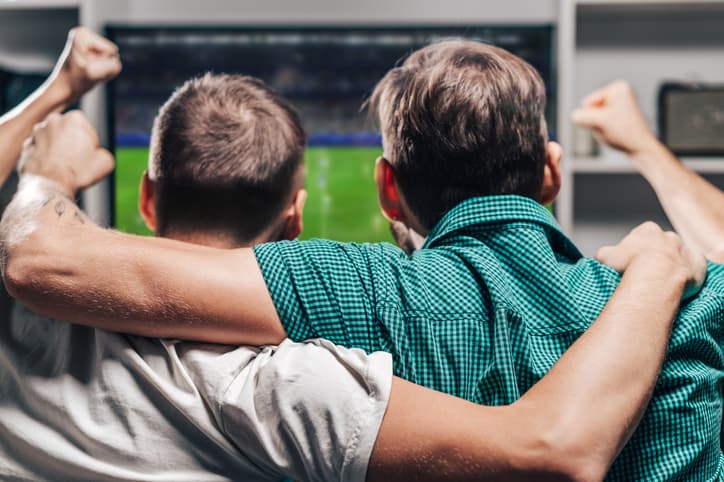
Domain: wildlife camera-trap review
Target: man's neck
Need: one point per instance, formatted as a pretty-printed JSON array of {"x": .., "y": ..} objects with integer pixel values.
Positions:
[
  {"x": 224, "y": 240},
  {"x": 206, "y": 239}
]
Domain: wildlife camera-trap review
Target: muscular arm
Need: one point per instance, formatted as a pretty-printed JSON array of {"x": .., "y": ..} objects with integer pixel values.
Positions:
[
  {"x": 694, "y": 206},
  {"x": 61, "y": 265},
  {"x": 145, "y": 286},
  {"x": 569, "y": 426}
]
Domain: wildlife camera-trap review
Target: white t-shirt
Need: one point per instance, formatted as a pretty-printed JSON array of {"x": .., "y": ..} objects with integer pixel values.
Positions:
[{"x": 84, "y": 404}]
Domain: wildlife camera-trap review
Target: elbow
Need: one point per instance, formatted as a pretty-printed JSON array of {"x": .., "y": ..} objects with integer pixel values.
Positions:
[
  {"x": 560, "y": 457},
  {"x": 19, "y": 274},
  {"x": 25, "y": 269},
  {"x": 559, "y": 450}
]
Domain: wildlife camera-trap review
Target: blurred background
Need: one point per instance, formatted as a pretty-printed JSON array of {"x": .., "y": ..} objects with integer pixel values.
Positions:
[{"x": 326, "y": 55}]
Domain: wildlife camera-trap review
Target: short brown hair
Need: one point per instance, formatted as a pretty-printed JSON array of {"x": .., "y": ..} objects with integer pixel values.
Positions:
[
  {"x": 462, "y": 119},
  {"x": 225, "y": 151}
]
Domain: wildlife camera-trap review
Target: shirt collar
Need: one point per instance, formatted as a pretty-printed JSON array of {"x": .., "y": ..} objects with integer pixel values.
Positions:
[{"x": 481, "y": 211}]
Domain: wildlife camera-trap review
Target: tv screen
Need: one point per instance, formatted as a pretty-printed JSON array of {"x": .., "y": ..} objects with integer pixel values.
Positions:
[{"x": 327, "y": 73}]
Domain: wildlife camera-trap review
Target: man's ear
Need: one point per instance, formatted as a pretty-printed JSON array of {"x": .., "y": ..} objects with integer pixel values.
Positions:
[
  {"x": 387, "y": 193},
  {"x": 293, "y": 225},
  {"x": 147, "y": 201},
  {"x": 551, "y": 173}
]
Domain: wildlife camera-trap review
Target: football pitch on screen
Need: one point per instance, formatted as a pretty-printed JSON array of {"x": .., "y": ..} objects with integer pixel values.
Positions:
[{"x": 341, "y": 205}]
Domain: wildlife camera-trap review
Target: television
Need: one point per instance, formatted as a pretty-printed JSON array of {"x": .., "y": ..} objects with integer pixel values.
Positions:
[{"x": 327, "y": 73}]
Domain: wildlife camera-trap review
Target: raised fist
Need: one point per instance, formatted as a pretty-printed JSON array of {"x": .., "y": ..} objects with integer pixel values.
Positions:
[
  {"x": 87, "y": 60},
  {"x": 66, "y": 150},
  {"x": 614, "y": 116}
]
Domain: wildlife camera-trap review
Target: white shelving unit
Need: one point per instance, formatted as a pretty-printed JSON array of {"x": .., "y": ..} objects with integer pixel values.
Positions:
[{"x": 645, "y": 42}]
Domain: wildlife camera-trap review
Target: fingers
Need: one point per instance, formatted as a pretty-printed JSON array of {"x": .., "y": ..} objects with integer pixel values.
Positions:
[
  {"x": 104, "y": 69},
  {"x": 663, "y": 250},
  {"x": 596, "y": 98},
  {"x": 698, "y": 264},
  {"x": 104, "y": 164},
  {"x": 600, "y": 97},
  {"x": 87, "y": 59},
  {"x": 589, "y": 117},
  {"x": 88, "y": 40},
  {"x": 641, "y": 239},
  {"x": 66, "y": 150}
]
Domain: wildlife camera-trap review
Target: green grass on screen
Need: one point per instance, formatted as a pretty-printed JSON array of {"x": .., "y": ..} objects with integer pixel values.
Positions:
[
  {"x": 130, "y": 164},
  {"x": 342, "y": 201}
]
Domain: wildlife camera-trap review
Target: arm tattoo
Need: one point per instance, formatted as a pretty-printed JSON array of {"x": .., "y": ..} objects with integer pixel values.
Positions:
[
  {"x": 21, "y": 216},
  {"x": 59, "y": 207}
]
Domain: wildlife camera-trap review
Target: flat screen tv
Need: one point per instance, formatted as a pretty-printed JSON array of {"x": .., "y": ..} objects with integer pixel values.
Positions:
[{"x": 327, "y": 73}]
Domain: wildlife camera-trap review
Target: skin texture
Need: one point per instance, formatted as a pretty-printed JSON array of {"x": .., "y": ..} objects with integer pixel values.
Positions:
[{"x": 694, "y": 206}]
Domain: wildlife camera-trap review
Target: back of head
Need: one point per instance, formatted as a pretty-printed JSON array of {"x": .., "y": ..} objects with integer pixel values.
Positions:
[
  {"x": 226, "y": 154},
  {"x": 462, "y": 119}
]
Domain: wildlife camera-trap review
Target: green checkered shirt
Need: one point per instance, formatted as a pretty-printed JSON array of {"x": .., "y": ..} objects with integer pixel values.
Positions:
[{"x": 483, "y": 311}]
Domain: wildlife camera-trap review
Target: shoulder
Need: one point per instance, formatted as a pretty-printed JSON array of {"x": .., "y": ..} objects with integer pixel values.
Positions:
[{"x": 327, "y": 252}]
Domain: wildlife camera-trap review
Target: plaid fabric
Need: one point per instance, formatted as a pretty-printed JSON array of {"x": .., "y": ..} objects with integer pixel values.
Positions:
[{"x": 485, "y": 309}]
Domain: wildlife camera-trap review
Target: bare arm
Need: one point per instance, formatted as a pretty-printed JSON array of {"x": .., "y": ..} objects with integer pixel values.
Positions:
[
  {"x": 574, "y": 422},
  {"x": 694, "y": 206},
  {"x": 86, "y": 60},
  {"x": 57, "y": 262}
]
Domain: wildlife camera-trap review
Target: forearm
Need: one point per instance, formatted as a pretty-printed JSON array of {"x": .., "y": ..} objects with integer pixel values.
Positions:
[
  {"x": 430, "y": 436},
  {"x": 61, "y": 265},
  {"x": 694, "y": 206},
  {"x": 17, "y": 125},
  {"x": 569, "y": 426}
]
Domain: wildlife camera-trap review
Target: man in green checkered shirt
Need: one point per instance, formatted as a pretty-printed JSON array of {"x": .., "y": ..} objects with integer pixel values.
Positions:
[
  {"x": 497, "y": 293},
  {"x": 485, "y": 308}
]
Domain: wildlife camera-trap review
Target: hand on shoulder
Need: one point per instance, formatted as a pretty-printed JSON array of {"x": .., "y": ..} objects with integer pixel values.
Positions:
[{"x": 662, "y": 255}]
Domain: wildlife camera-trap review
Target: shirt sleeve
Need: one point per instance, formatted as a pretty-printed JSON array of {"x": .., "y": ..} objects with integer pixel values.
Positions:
[
  {"x": 310, "y": 411},
  {"x": 323, "y": 289}
]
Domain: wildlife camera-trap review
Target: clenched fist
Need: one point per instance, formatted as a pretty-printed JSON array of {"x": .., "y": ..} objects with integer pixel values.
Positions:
[
  {"x": 614, "y": 116},
  {"x": 66, "y": 150},
  {"x": 87, "y": 60}
]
